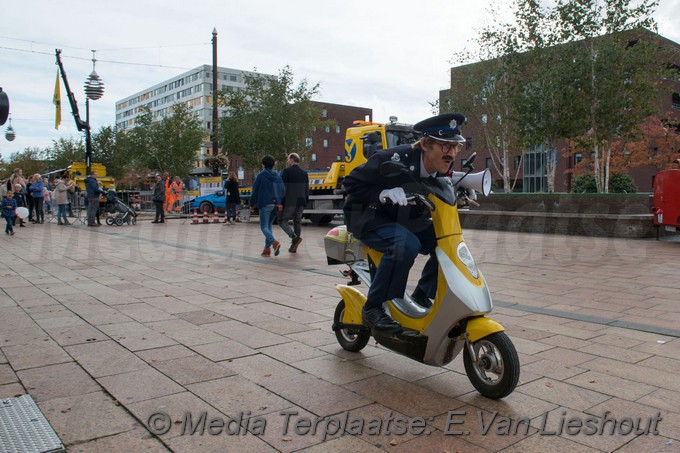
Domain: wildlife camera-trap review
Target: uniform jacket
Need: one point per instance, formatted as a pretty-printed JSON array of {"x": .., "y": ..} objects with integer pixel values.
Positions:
[
  {"x": 296, "y": 181},
  {"x": 268, "y": 189},
  {"x": 363, "y": 209}
]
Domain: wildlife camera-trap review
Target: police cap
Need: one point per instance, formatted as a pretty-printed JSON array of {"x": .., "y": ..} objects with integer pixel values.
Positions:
[{"x": 444, "y": 127}]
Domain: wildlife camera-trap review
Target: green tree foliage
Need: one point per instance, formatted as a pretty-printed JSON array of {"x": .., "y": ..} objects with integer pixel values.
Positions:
[
  {"x": 581, "y": 68},
  {"x": 64, "y": 152},
  {"x": 169, "y": 145},
  {"x": 584, "y": 183},
  {"x": 621, "y": 183},
  {"x": 107, "y": 150},
  {"x": 270, "y": 115},
  {"x": 31, "y": 160}
]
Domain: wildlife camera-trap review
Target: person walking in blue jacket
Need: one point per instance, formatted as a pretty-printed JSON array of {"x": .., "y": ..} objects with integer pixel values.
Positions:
[{"x": 267, "y": 196}]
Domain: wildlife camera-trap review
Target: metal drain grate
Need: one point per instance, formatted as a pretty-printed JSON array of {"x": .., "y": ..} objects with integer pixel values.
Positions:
[{"x": 24, "y": 428}]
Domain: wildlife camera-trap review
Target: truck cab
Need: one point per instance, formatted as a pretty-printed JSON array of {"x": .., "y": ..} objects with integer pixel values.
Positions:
[{"x": 361, "y": 141}]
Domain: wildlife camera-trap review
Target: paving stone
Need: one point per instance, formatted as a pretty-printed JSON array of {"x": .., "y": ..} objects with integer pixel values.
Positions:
[
  {"x": 224, "y": 350},
  {"x": 137, "y": 440},
  {"x": 7, "y": 375},
  {"x": 165, "y": 353},
  {"x": 335, "y": 370},
  {"x": 400, "y": 366},
  {"x": 34, "y": 355},
  {"x": 85, "y": 417},
  {"x": 57, "y": 381},
  {"x": 104, "y": 358},
  {"x": 187, "y": 370},
  {"x": 388, "y": 391},
  {"x": 139, "y": 385},
  {"x": 562, "y": 394}
]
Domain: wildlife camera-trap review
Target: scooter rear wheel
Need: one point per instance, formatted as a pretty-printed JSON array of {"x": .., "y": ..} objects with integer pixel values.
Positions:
[
  {"x": 495, "y": 372},
  {"x": 351, "y": 340}
]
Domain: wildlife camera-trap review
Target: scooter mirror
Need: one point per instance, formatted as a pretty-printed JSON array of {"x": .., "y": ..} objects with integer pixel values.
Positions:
[
  {"x": 391, "y": 168},
  {"x": 469, "y": 161}
]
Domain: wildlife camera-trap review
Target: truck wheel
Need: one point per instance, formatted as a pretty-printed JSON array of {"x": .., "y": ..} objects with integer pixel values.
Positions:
[
  {"x": 321, "y": 219},
  {"x": 495, "y": 370},
  {"x": 352, "y": 340}
]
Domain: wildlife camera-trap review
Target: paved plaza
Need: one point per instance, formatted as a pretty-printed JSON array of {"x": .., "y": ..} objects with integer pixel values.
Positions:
[{"x": 140, "y": 338}]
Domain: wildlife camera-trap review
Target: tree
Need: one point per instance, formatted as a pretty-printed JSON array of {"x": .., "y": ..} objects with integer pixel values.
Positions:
[
  {"x": 109, "y": 151},
  {"x": 167, "y": 145},
  {"x": 31, "y": 160},
  {"x": 269, "y": 116},
  {"x": 615, "y": 69},
  {"x": 64, "y": 152},
  {"x": 656, "y": 142}
]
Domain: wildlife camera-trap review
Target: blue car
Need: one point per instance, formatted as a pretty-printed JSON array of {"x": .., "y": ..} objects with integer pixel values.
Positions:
[{"x": 209, "y": 202}]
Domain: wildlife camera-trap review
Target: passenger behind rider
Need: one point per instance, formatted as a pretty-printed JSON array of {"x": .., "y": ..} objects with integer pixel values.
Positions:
[{"x": 396, "y": 228}]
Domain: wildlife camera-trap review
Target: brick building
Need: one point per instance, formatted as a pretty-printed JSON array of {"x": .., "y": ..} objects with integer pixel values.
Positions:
[{"x": 530, "y": 170}]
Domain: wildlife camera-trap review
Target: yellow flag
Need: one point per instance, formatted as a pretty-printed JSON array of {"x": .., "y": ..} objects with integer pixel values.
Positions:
[{"x": 57, "y": 102}]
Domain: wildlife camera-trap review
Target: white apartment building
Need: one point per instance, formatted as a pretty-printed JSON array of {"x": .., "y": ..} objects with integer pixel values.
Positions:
[{"x": 193, "y": 88}]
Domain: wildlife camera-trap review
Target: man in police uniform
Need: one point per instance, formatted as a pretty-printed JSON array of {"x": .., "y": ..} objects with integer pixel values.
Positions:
[{"x": 377, "y": 212}]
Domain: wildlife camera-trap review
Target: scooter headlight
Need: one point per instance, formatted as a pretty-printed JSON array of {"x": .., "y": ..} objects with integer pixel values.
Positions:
[{"x": 465, "y": 257}]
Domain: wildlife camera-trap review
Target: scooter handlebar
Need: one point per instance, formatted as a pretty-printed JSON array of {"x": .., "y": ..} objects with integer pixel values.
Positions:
[{"x": 414, "y": 198}]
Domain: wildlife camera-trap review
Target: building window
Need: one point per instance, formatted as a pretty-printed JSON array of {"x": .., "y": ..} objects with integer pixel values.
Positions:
[
  {"x": 308, "y": 142},
  {"x": 489, "y": 162},
  {"x": 676, "y": 101},
  {"x": 328, "y": 128},
  {"x": 485, "y": 118},
  {"x": 313, "y": 157},
  {"x": 578, "y": 157},
  {"x": 337, "y": 129},
  {"x": 325, "y": 143},
  {"x": 516, "y": 161},
  {"x": 324, "y": 113},
  {"x": 338, "y": 158},
  {"x": 468, "y": 142}
]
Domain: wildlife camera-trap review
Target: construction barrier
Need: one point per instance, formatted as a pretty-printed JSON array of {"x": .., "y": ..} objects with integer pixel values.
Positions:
[
  {"x": 194, "y": 219},
  {"x": 205, "y": 216},
  {"x": 216, "y": 217}
]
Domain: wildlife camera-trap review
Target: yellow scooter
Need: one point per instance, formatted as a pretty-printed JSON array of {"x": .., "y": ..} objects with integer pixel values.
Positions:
[{"x": 456, "y": 321}]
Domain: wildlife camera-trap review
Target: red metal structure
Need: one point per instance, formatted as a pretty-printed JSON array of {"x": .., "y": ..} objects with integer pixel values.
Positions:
[{"x": 667, "y": 200}]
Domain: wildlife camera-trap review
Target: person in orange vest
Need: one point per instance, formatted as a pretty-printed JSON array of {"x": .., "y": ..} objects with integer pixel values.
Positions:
[
  {"x": 176, "y": 189},
  {"x": 167, "y": 183}
]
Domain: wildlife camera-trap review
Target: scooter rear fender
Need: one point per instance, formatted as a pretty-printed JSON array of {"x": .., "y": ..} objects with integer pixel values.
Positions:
[
  {"x": 354, "y": 303},
  {"x": 480, "y": 327}
]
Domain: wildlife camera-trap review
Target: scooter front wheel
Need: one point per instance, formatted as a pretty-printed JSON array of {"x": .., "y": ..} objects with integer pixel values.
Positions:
[
  {"x": 352, "y": 340},
  {"x": 494, "y": 371}
]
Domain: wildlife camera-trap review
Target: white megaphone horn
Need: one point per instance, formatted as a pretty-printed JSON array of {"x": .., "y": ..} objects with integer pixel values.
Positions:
[{"x": 479, "y": 182}]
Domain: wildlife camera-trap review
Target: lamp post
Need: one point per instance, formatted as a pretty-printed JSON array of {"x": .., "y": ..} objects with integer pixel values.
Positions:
[{"x": 94, "y": 89}]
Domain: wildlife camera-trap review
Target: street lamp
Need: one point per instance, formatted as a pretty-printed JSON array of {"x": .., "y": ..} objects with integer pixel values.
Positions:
[
  {"x": 94, "y": 89},
  {"x": 10, "y": 135}
]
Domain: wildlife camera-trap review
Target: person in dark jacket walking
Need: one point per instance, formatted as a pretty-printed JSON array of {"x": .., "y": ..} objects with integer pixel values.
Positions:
[
  {"x": 159, "y": 199},
  {"x": 232, "y": 197},
  {"x": 267, "y": 196},
  {"x": 92, "y": 194},
  {"x": 296, "y": 181}
]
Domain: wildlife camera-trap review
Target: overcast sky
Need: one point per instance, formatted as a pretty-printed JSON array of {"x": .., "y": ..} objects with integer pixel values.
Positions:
[{"x": 392, "y": 56}]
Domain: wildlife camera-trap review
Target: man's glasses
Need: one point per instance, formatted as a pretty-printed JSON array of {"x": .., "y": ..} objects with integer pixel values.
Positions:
[{"x": 448, "y": 146}]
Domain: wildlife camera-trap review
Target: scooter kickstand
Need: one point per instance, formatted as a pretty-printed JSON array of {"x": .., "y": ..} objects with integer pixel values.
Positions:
[{"x": 350, "y": 273}]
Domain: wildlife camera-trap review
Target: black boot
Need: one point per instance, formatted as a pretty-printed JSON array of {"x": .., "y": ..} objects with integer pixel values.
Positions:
[
  {"x": 421, "y": 299},
  {"x": 376, "y": 318}
]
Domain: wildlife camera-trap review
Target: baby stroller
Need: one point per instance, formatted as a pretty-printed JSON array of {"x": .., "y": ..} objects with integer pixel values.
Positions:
[{"x": 123, "y": 213}]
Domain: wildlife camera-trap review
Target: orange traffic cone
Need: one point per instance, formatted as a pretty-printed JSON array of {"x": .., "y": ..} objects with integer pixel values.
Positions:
[
  {"x": 216, "y": 217},
  {"x": 194, "y": 219},
  {"x": 205, "y": 216}
]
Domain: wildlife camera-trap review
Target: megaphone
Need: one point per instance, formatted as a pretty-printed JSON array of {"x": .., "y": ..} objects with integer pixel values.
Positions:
[{"x": 479, "y": 182}]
